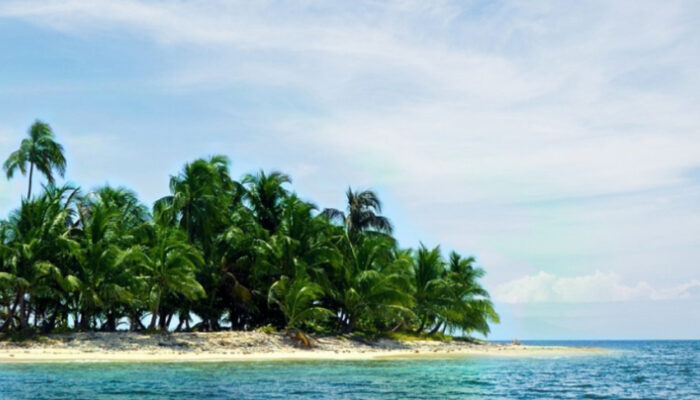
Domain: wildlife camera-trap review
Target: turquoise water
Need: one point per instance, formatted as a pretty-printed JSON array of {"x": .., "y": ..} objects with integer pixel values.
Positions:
[{"x": 635, "y": 370}]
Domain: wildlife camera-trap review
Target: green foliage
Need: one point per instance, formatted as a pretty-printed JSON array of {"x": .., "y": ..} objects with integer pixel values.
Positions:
[
  {"x": 298, "y": 299},
  {"x": 362, "y": 213},
  {"x": 216, "y": 253},
  {"x": 41, "y": 151},
  {"x": 166, "y": 268}
]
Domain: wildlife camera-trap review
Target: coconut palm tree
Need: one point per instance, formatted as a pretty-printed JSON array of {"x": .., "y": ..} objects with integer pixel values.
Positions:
[
  {"x": 30, "y": 250},
  {"x": 362, "y": 213},
  {"x": 104, "y": 284},
  {"x": 471, "y": 308},
  {"x": 200, "y": 197},
  {"x": 299, "y": 242},
  {"x": 203, "y": 202},
  {"x": 39, "y": 150},
  {"x": 430, "y": 287},
  {"x": 298, "y": 299},
  {"x": 132, "y": 214},
  {"x": 265, "y": 195},
  {"x": 370, "y": 283},
  {"x": 168, "y": 268}
]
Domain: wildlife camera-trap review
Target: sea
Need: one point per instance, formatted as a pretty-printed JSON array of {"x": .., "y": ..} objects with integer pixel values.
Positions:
[{"x": 629, "y": 370}]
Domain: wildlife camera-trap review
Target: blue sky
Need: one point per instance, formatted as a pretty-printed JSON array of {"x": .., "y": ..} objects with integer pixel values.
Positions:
[{"x": 559, "y": 142}]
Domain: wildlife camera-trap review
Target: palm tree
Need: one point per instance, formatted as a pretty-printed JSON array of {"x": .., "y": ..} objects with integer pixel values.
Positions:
[
  {"x": 30, "y": 249},
  {"x": 362, "y": 213},
  {"x": 298, "y": 243},
  {"x": 370, "y": 283},
  {"x": 132, "y": 213},
  {"x": 168, "y": 268},
  {"x": 200, "y": 197},
  {"x": 129, "y": 224},
  {"x": 265, "y": 195},
  {"x": 298, "y": 299},
  {"x": 39, "y": 150},
  {"x": 430, "y": 289},
  {"x": 471, "y": 308},
  {"x": 104, "y": 284},
  {"x": 202, "y": 200},
  {"x": 447, "y": 295}
]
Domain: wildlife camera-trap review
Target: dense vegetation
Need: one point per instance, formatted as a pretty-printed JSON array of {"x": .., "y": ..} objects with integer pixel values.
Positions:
[{"x": 217, "y": 253}]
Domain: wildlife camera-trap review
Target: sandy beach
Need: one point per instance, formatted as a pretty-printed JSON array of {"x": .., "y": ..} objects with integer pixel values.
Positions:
[{"x": 249, "y": 346}]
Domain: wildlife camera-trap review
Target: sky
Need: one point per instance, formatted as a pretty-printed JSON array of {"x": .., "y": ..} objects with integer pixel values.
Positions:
[{"x": 557, "y": 142}]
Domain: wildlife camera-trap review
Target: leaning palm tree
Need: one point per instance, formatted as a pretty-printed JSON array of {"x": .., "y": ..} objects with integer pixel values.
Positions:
[
  {"x": 471, "y": 308},
  {"x": 39, "y": 150},
  {"x": 362, "y": 213}
]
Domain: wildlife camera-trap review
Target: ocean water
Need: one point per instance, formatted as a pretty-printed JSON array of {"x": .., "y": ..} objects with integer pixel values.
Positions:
[{"x": 633, "y": 370}]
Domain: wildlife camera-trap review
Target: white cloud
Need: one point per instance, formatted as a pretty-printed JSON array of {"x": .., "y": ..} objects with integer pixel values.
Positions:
[
  {"x": 529, "y": 96},
  {"x": 597, "y": 287}
]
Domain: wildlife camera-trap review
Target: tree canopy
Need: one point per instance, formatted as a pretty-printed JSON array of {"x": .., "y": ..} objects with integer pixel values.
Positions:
[
  {"x": 41, "y": 151},
  {"x": 216, "y": 253}
]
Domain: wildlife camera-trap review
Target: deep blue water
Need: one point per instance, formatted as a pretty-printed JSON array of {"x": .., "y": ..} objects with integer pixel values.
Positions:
[{"x": 635, "y": 370}]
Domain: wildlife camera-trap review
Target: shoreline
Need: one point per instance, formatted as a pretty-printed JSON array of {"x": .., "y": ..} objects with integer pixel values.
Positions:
[{"x": 253, "y": 346}]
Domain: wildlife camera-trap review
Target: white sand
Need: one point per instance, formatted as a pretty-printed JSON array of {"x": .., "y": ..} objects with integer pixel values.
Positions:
[{"x": 249, "y": 346}]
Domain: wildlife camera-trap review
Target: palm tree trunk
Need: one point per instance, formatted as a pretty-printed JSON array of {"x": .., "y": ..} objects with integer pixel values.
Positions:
[
  {"x": 85, "y": 321},
  {"x": 38, "y": 315},
  {"x": 179, "y": 325},
  {"x": 10, "y": 315},
  {"x": 22, "y": 312},
  {"x": 167, "y": 322},
  {"x": 111, "y": 324},
  {"x": 351, "y": 324},
  {"x": 132, "y": 323},
  {"x": 135, "y": 323},
  {"x": 154, "y": 316},
  {"x": 422, "y": 325},
  {"x": 51, "y": 323},
  {"x": 162, "y": 321},
  {"x": 31, "y": 173},
  {"x": 436, "y": 328}
]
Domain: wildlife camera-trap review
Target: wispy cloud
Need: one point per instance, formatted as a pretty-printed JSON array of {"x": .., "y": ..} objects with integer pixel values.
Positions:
[{"x": 595, "y": 288}]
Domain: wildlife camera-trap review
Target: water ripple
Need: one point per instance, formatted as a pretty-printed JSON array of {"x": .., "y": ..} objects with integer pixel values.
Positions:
[{"x": 640, "y": 370}]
